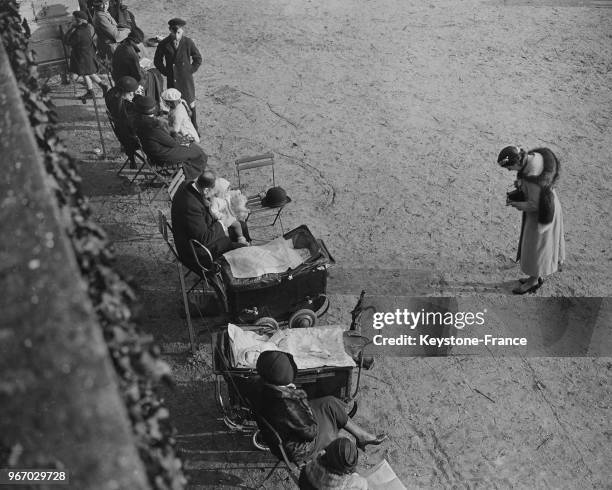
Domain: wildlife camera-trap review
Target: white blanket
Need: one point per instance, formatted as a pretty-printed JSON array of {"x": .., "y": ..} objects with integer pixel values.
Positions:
[
  {"x": 272, "y": 258},
  {"x": 311, "y": 347}
]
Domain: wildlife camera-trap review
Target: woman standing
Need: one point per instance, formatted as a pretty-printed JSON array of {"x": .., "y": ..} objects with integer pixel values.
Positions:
[
  {"x": 542, "y": 243},
  {"x": 80, "y": 37}
]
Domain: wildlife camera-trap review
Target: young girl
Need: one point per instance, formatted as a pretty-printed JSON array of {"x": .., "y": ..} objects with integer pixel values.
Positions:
[
  {"x": 229, "y": 207},
  {"x": 80, "y": 37},
  {"x": 179, "y": 116}
]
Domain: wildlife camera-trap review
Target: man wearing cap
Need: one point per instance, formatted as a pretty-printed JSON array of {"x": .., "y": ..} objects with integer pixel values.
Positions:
[
  {"x": 119, "y": 102},
  {"x": 177, "y": 58},
  {"x": 109, "y": 33},
  {"x": 157, "y": 143}
]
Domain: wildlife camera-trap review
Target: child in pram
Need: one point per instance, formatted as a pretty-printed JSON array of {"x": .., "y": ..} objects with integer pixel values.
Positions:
[{"x": 305, "y": 426}]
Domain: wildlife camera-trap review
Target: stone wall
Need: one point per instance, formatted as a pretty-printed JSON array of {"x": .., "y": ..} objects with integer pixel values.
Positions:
[{"x": 59, "y": 402}]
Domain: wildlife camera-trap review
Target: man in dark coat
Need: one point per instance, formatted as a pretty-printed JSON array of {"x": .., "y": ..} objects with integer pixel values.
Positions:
[
  {"x": 159, "y": 146},
  {"x": 119, "y": 102},
  {"x": 192, "y": 219},
  {"x": 177, "y": 58}
]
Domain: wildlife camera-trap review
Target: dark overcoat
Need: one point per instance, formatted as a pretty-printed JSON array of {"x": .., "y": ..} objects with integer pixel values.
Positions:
[
  {"x": 192, "y": 219},
  {"x": 126, "y": 61},
  {"x": 163, "y": 148},
  {"x": 122, "y": 112},
  {"x": 81, "y": 40},
  {"x": 178, "y": 65}
]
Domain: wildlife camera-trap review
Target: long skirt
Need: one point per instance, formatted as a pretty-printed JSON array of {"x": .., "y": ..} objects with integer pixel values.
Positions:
[{"x": 542, "y": 247}]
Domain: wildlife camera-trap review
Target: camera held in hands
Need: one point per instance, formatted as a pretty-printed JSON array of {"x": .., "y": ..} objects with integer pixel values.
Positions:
[{"x": 515, "y": 195}]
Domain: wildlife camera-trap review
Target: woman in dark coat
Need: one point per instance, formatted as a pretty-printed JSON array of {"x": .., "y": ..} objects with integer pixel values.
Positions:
[
  {"x": 305, "y": 426},
  {"x": 126, "y": 62},
  {"x": 80, "y": 37},
  {"x": 158, "y": 145}
]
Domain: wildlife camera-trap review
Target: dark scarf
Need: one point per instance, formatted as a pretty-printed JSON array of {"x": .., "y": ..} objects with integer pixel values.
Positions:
[{"x": 547, "y": 181}]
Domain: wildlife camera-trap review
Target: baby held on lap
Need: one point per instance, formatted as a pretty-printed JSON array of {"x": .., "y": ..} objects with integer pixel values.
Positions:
[{"x": 229, "y": 207}]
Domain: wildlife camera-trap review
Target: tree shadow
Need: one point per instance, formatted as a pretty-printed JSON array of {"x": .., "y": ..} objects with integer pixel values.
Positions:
[{"x": 212, "y": 454}]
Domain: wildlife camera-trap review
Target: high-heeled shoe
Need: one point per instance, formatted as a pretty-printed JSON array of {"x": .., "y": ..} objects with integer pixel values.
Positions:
[
  {"x": 523, "y": 280},
  {"x": 532, "y": 289},
  {"x": 87, "y": 95},
  {"x": 380, "y": 438}
]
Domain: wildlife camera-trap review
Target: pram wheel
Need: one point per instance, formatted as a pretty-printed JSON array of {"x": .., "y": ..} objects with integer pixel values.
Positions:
[
  {"x": 303, "y": 319},
  {"x": 258, "y": 441},
  {"x": 267, "y": 321}
]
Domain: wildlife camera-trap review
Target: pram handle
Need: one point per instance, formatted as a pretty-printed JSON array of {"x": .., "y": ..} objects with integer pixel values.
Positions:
[{"x": 326, "y": 250}]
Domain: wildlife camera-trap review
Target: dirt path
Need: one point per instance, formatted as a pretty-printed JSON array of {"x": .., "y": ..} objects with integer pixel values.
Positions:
[{"x": 386, "y": 118}]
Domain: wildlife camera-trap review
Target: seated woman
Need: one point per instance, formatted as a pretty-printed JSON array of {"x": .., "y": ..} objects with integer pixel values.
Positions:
[
  {"x": 160, "y": 146},
  {"x": 305, "y": 426},
  {"x": 334, "y": 469}
]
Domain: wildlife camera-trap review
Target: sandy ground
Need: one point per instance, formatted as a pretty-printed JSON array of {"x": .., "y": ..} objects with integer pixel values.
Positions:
[{"x": 386, "y": 118}]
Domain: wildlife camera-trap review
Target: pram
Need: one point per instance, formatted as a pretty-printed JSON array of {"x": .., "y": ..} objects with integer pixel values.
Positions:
[
  {"x": 297, "y": 296},
  {"x": 234, "y": 386}
]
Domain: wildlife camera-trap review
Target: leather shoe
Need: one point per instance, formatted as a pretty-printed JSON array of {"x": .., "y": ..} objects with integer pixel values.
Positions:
[
  {"x": 380, "y": 438},
  {"x": 531, "y": 289}
]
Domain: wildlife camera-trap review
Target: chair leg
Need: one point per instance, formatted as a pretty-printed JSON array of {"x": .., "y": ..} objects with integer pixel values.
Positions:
[
  {"x": 269, "y": 474},
  {"x": 128, "y": 160},
  {"x": 187, "y": 312}
]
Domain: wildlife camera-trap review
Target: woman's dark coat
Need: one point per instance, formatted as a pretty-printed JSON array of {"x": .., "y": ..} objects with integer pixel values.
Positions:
[
  {"x": 126, "y": 61},
  {"x": 178, "y": 65},
  {"x": 288, "y": 411},
  {"x": 162, "y": 148},
  {"x": 83, "y": 49}
]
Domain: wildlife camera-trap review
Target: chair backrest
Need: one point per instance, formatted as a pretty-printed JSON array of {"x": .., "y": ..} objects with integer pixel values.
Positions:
[
  {"x": 256, "y": 161},
  {"x": 127, "y": 144},
  {"x": 111, "y": 121},
  {"x": 177, "y": 180},
  {"x": 277, "y": 447},
  {"x": 196, "y": 246},
  {"x": 163, "y": 226}
]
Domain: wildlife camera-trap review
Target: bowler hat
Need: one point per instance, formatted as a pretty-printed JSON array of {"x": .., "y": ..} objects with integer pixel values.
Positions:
[
  {"x": 176, "y": 22},
  {"x": 275, "y": 197},
  {"x": 127, "y": 84},
  {"x": 145, "y": 105}
]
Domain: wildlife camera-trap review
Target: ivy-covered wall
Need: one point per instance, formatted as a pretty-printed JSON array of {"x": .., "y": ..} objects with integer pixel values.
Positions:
[{"x": 134, "y": 356}]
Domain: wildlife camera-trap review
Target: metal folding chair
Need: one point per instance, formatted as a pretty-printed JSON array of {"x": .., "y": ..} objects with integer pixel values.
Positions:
[
  {"x": 185, "y": 275},
  {"x": 152, "y": 172},
  {"x": 277, "y": 442},
  {"x": 177, "y": 180},
  {"x": 254, "y": 201},
  {"x": 133, "y": 157}
]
